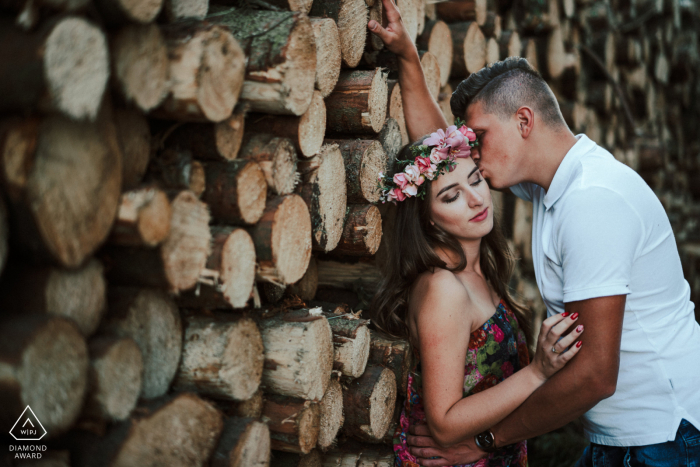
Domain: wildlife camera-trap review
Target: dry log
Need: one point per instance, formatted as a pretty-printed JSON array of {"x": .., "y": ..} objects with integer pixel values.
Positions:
[
  {"x": 140, "y": 65},
  {"x": 628, "y": 51},
  {"x": 289, "y": 459},
  {"x": 206, "y": 70},
  {"x": 395, "y": 108},
  {"x": 374, "y": 42},
  {"x": 244, "y": 442},
  {"x": 282, "y": 240},
  {"x": 375, "y": 457},
  {"x": 529, "y": 52},
  {"x": 462, "y": 10},
  {"x": 143, "y": 218},
  {"x": 469, "y": 49},
  {"x": 294, "y": 423},
  {"x": 133, "y": 136},
  {"x": 218, "y": 142},
  {"x": 303, "y": 6},
  {"x": 341, "y": 457},
  {"x": 358, "y": 102},
  {"x": 636, "y": 78},
  {"x": 152, "y": 320},
  {"x": 350, "y": 339},
  {"x": 331, "y": 418},
  {"x": 536, "y": 17},
  {"x": 599, "y": 95},
  {"x": 409, "y": 17},
  {"x": 63, "y": 66},
  {"x": 437, "y": 39},
  {"x": 230, "y": 272},
  {"x": 125, "y": 11},
  {"x": 328, "y": 54},
  {"x": 63, "y": 178},
  {"x": 236, "y": 191},
  {"x": 492, "y": 25},
  {"x": 351, "y": 16},
  {"x": 29, "y": 12},
  {"x": 345, "y": 275},
  {"x": 276, "y": 157},
  {"x": 4, "y": 235},
  {"x": 176, "y": 10},
  {"x": 42, "y": 355},
  {"x": 431, "y": 71},
  {"x": 510, "y": 45},
  {"x": 444, "y": 102},
  {"x": 306, "y": 132},
  {"x": 176, "y": 169},
  {"x": 369, "y": 404},
  {"x": 493, "y": 51},
  {"x": 364, "y": 159},
  {"x": 362, "y": 232},
  {"x": 178, "y": 262},
  {"x": 250, "y": 408},
  {"x": 298, "y": 355},
  {"x": 115, "y": 377},
  {"x": 574, "y": 114},
  {"x": 651, "y": 154},
  {"x": 75, "y": 294},
  {"x": 271, "y": 293},
  {"x": 281, "y": 51},
  {"x": 222, "y": 356},
  {"x": 390, "y": 138},
  {"x": 396, "y": 355},
  {"x": 305, "y": 288},
  {"x": 324, "y": 190}
]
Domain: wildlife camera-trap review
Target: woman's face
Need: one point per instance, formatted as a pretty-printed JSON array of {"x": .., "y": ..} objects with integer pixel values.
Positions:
[{"x": 460, "y": 201}]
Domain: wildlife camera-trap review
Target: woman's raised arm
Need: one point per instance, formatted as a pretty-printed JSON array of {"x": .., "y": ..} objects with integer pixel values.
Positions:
[{"x": 423, "y": 116}]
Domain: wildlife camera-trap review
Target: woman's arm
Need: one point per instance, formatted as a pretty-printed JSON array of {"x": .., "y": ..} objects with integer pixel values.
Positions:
[
  {"x": 423, "y": 116},
  {"x": 443, "y": 326}
]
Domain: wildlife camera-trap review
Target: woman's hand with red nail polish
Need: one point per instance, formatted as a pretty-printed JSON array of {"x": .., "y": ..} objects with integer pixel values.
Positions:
[{"x": 554, "y": 347}]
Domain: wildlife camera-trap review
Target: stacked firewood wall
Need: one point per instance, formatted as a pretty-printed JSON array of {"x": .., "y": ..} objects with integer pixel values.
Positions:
[{"x": 190, "y": 230}]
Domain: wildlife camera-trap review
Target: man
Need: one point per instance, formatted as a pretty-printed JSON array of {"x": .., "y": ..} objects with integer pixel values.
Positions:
[{"x": 602, "y": 247}]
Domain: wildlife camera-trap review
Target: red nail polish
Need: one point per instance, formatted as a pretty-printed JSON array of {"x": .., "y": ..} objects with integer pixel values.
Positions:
[
  {"x": 579, "y": 328},
  {"x": 579, "y": 343},
  {"x": 574, "y": 316},
  {"x": 565, "y": 314}
]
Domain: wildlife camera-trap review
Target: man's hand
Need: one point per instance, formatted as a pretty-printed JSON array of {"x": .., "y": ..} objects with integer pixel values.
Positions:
[
  {"x": 394, "y": 34},
  {"x": 421, "y": 445}
]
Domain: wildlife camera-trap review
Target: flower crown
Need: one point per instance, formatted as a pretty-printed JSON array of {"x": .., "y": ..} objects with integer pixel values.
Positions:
[{"x": 436, "y": 155}]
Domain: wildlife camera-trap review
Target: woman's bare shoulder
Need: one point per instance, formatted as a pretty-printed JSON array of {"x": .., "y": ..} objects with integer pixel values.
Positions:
[{"x": 437, "y": 290}]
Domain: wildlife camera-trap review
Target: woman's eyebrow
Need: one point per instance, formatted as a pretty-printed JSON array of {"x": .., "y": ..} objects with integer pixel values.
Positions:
[
  {"x": 470, "y": 173},
  {"x": 447, "y": 188}
]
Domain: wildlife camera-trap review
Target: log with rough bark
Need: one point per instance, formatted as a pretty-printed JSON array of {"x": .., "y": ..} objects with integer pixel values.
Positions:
[
  {"x": 128, "y": 11},
  {"x": 249, "y": 408},
  {"x": 444, "y": 102},
  {"x": 396, "y": 355},
  {"x": 206, "y": 68},
  {"x": 351, "y": 16},
  {"x": 395, "y": 108},
  {"x": 332, "y": 417},
  {"x": 437, "y": 39},
  {"x": 298, "y": 354},
  {"x": 177, "y": 10},
  {"x": 76, "y": 294},
  {"x": 228, "y": 278},
  {"x": 176, "y": 169},
  {"x": 493, "y": 52},
  {"x": 599, "y": 96},
  {"x": 362, "y": 232},
  {"x": 243, "y": 442},
  {"x": 115, "y": 377},
  {"x": 358, "y": 102},
  {"x": 369, "y": 404},
  {"x": 63, "y": 66},
  {"x": 390, "y": 138},
  {"x": 510, "y": 45},
  {"x": 306, "y": 132},
  {"x": 651, "y": 154},
  {"x": 290, "y": 459},
  {"x": 462, "y": 10},
  {"x": 179, "y": 430},
  {"x": 343, "y": 275},
  {"x": 151, "y": 319},
  {"x": 328, "y": 55},
  {"x": 236, "y": 191},
  {"x": 143, "y": 218},
  {"x": 492, "y": 25},
  {"x": 324, "y": 190},
  {"x": 281, "y": 57},
  {"x": 303, "y": 6},
  {"x": 529, "y": 52},
  {"x": 469, "y": 45},
  {"x": 277, "y": 159},
  {"x": 218, "y": 142},
  {"x": 294, "y": 423},
  {"x": 341, "y": 457},
  {"x": 364, "y": 159},
  {"x": 409, "y": 17},
  {"x": 374, "y": 42},
  {"x": 134, "y": 138},
  {"x": 222, "y": 355},
  {"x": 431, "y": 72},
  {"x": 140, "y": 65},
  {"x": 63, "y": 178},
  {"x": 29, "y": 12},
  {"x": 282, "y": 240},
  {"x": 42, "y": 355},
  {"x": 375, "y": 457},
  {"x": 551, "y": 56},
  {"x": 305, "y": 288}
]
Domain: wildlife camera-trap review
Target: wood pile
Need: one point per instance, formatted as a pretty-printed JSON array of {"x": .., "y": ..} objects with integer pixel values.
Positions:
[{"x": 189, "y": 217}]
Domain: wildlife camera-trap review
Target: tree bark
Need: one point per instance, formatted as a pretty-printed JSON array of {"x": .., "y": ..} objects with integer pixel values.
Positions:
[
  {"x": 396, "y": 355},
  {"x": 216, "y": 142},
  {"x": 343, "y": 275},
  {"x": 236, "y": 191},
  {"x": 177, "y": 10},
  {"x": 369, "y": 404},
  {"x": 294, "y": 423},
  {"x": 364, "y": 159},
  {"x": 463, "y": 10},
  {"x": 358, "y": 102},
  {"x": 437, "y": 39},
  {"x": 390, "y": 138},
  {"x": 143, "y": 218},
  {"x": 277, "y": 159},
  {"x": 134, "y": 138},
  {"x": 124, "y": 11},
  {"x": 362, "y": 232},
  {"x": 305, "y": 288},
  {"x": 243, "y": 442},
  {"x": 351, "y": 16},
  {"x": 328, "y": 54},
  {"x": 510, "y": 45},
  {"x": 331, "y": 417},
  {"x": 469, "y": 45},
  {"x": 395, "y": 108}
]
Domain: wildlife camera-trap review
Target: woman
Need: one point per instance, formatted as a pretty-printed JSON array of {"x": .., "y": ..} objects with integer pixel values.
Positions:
[{"x": 446, "y": 291}]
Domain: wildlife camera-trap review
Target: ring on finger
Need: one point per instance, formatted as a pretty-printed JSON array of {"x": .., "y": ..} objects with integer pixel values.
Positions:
[{"x": 555, "y": 350}]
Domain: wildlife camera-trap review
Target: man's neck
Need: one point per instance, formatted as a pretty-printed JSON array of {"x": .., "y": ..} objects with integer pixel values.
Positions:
[{"x": 549, "y": 150}]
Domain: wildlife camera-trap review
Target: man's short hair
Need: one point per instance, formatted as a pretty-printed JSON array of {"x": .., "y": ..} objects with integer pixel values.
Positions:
[{"x": 503, "y": 88}]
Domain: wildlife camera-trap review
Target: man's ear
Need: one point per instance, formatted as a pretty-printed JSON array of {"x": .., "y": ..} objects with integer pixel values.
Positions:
[{"x": 525, "y": 118}]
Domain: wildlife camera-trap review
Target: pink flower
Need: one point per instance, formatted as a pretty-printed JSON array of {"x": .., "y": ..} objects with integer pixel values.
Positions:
[
  {"x": 468, "y": 133},
  {"x": 410, "y": 190},
  {"x": 430, "y": 171},
  {"x": 498, "y": 334},
  {"x": 454, "y": 138},
  {"x": 412, "y": 173},
  {"x": 435, "y": 139},
  {"x": 395, "y": 194},
  {"x": 400, "y": 179},
  {"x": 380, "y": 176},
  {"x": 422, "y": 163},
  {"x": 435, "y": 156},
  {"x": 463, "y": 150}
]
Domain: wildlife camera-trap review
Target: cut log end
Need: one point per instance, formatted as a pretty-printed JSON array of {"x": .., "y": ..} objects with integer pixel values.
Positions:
[
  {"x": 362, "y": 233},
  {"x": 244, "y": 442},
  {"x": 374, "y": 161},
  {"x": 312, "y": 126},
  {"x": 439, "y": 43},
  {"x": 352, "y": 25},
  {"x": 251, "y": 192},
  {"x": 328, "y": 56},
  {"x": 237, "y": 274},
  {"x": 382, "y": 403},
  {"x": 331, "y": 415},
  {"x": 377, "y": 101},
  {"x": 431, "y": 71}
]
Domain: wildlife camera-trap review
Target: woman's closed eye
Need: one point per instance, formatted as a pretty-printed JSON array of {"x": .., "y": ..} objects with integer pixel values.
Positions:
[{"x": 449, "y": 200}]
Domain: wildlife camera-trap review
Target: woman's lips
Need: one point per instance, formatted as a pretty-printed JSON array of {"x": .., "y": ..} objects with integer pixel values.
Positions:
[{"x": 481, "y": 216}]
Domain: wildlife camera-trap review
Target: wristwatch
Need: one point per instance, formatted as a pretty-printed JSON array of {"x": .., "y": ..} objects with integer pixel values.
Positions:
[{"x": 485, "y": 441}]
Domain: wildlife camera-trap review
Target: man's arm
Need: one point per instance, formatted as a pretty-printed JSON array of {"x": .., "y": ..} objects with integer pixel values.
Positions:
[{"x": 422, "y": 113}]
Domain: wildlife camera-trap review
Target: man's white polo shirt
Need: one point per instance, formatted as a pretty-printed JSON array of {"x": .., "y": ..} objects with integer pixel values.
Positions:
[{"x": 599, "y": 231}]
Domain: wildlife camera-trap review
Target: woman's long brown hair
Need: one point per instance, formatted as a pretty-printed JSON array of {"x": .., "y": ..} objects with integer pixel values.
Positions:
[{"x": 415, "y": 253}]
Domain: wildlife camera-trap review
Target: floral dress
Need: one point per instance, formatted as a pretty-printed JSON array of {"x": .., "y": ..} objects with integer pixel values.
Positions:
[{"x": 496, "y": 350}]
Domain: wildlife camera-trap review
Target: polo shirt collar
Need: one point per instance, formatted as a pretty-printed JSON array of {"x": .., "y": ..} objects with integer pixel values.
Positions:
[{"x": 563, "y": 174}]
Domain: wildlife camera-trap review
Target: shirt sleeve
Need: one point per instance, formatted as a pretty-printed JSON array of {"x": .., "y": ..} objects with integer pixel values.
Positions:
[
  {"x": 598, "y": 239},
  {"x": 523, "y": 191}
]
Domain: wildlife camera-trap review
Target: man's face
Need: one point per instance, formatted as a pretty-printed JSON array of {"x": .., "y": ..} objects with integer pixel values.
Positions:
[{"x": 500, "y": 143}]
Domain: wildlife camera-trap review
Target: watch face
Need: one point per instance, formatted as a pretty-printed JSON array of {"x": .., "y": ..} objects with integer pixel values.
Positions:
[{"x": 485, "y": 440}]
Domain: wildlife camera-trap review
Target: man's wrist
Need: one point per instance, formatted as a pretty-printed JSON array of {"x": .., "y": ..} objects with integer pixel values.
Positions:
[{"x": 485, "y": 441}]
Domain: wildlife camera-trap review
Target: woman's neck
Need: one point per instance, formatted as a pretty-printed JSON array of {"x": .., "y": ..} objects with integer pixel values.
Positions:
[{"x": 472, "y": 251}]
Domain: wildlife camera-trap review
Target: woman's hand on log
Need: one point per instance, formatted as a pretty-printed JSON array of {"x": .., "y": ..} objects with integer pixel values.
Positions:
[
  {"x": 394, "y": 34},
  {"x": 553, "y": 350}
]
